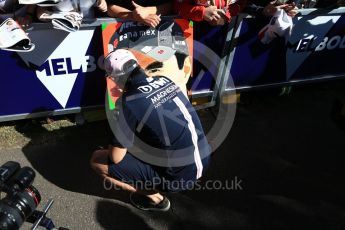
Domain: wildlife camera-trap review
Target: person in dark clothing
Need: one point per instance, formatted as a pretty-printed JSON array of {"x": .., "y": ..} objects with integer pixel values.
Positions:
[
  {"x": 154, "y": 116},
  {"x": 23, "y": 14}
]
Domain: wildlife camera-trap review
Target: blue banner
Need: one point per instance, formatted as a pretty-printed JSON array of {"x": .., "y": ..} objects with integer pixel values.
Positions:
[
  {"x": 312, "y": 51},
  {"x": 61, "y": 73}
]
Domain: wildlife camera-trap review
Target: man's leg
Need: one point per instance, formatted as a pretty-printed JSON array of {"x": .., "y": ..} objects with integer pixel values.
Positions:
[{"x": 99, "y": 163}]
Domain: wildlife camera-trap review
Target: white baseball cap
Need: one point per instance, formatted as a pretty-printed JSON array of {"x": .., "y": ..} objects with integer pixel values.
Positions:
[
  {"x": 120, "y": 64},
  {"x": 279, "y": 24}
]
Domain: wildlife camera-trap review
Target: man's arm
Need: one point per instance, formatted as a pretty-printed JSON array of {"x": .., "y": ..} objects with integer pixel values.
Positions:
[
  {"x": 121, "y": 12},
  {"x": 27, "y": 19},
  {"x": 116, "y": 11},
  {"x": 163, "y": 9},
  {"x": 189, "y": 11},
  {"x": 117, "y": 154},
  {"x": 237, "y": 7},
  {"x": 145, "y": 15},
  {"x": 270, "y": 9}
]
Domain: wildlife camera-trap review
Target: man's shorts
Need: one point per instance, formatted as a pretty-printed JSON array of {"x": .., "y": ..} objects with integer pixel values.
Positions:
[{"x": 144, "y": 176}]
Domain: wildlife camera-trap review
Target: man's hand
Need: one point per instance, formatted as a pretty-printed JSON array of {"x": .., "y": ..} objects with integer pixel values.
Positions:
[
  {"x": 220, "y": 21},
  {"x": 24, "y": 21},
  {"x": 271, "y": 9},
  {"x": 140, "y": 12},
  {"x": 145, "y": 16},
  {"x": 152, "y": 20},
  {"x": 102, "y": 6},
  {"x": 211, "y": 14},
  {"x": 290, "y": 9}
]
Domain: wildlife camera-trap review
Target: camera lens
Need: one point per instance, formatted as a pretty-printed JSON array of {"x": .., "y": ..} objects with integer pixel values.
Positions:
[
  {"x": 22, "y": 179},
  {"x": 15, "y": 209},
  {"x": 8, "y": 169}
]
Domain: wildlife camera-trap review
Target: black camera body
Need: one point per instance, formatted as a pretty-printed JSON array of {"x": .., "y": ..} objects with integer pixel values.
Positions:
[{"x": 21, "y": 197}]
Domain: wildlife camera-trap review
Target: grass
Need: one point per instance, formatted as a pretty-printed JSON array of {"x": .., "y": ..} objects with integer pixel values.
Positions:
[{"x": 20, "y": 133}]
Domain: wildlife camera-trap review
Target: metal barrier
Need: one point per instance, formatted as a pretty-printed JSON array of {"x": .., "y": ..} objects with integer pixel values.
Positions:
[
  {"x": 64, "y": 73},
  {"x": 312, "y": 52}
]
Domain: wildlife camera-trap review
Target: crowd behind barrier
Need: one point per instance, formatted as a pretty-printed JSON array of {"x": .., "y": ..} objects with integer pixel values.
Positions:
[
  {"x": 49, "y": 74},
  {"x": 213, "y": 12}
]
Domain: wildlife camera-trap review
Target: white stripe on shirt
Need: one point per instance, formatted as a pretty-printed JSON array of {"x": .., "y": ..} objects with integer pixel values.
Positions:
[{"x": 194, "y": 135}]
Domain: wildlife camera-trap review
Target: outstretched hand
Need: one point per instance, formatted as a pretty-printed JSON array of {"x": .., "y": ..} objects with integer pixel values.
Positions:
[
  {"x": 221, "y": 21},
  {"x": 271, "y": 9},
  {"x": 142, "y": 14},
  {"x": 290, "y": 9},
  {"x": 211, "y": 14},
  {"x": 152, "y": 20}
]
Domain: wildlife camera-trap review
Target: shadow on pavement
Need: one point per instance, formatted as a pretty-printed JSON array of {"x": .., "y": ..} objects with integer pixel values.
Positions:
[
  {"x": 286, "y": 151},
  {"x": 288, "y": 156},
  {"x": 113, "y": 216},
  {"x": 62, "y": 156}
]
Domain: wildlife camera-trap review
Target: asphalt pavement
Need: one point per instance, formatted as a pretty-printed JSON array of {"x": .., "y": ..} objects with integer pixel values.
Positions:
[{"x": 283, "y": 163}]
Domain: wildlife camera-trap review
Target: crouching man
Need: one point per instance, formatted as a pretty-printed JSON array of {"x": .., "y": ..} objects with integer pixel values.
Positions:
[{"x": 159, "y": 144}]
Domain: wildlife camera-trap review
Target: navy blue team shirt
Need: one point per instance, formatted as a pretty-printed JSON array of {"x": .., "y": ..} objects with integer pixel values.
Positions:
[{"x": 154, "y": 111}]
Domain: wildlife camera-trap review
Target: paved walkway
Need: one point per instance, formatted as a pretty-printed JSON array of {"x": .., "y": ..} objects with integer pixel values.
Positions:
[{"x": 286, "y": 153}]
